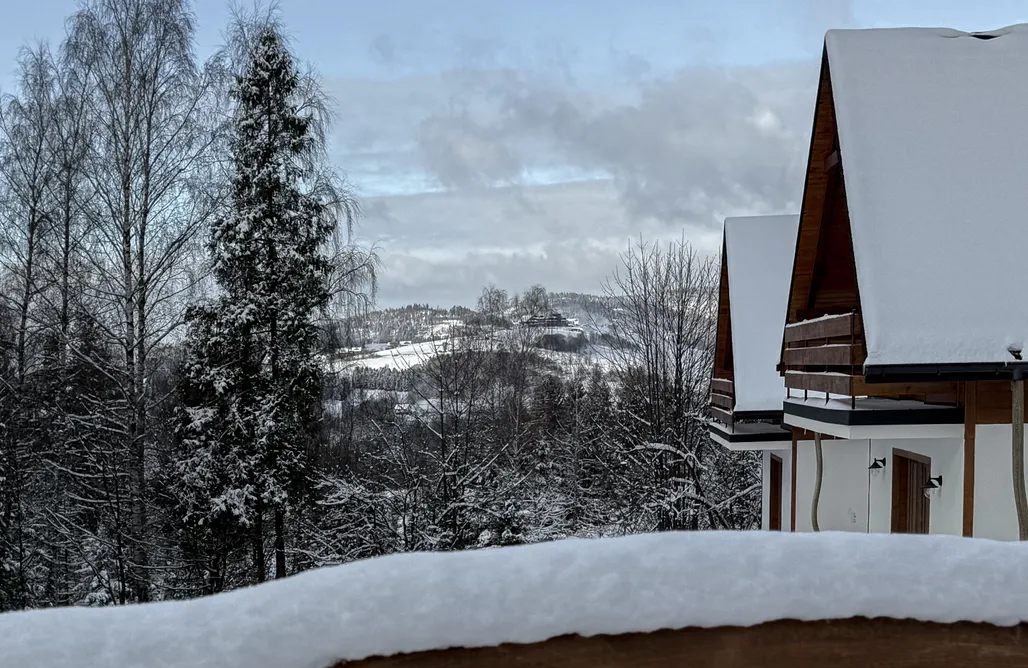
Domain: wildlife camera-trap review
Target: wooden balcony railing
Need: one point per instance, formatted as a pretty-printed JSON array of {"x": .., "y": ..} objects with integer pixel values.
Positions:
[
  {"x": 827, "y": 355},
  {"x": 722, "y": 399},
  {"x": 824, "y": 354}
]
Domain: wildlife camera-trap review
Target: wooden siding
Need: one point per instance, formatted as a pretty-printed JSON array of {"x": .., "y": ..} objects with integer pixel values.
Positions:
[
  {"x": 992, "y": 401},
  {"x": 824, "y": 278},
  {"x": 824, "y": 273},
  {"x": 846, "y": 643},
  {"x": 723, "y": 367}
]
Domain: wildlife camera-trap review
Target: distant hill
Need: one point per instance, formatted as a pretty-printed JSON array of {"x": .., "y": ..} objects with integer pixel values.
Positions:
[
  {"x": 416, "y": 323},
  {"x": 414, "y": 333}
]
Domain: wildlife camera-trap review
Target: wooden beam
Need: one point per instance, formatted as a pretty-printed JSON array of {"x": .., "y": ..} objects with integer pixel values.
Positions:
[
  {"x": 970, "y": 421},
  {"x": 832, "y": 161},
  {"x": 821, "y": 328},
  {"x": 722, "y": 386},
  {"x": 792, "y": 485},
  {"x": 856, "y": 642},
  {"x": 862, "y": 388},
  {"x": 722, "y": 401},
  {"x": 839, "y": 354},
  {"x": 1017, "y": 446},
  {"x": 820, "y": 382}
]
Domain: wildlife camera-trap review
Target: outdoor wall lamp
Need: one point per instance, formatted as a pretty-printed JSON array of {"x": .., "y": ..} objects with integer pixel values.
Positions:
[
  {"x": 932, "y": 486},
  {"x": 876, "y": 467}
]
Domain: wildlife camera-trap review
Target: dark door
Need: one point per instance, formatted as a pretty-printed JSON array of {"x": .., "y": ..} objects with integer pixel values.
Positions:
[
  {"x": 775, "y": 498},
  {"x": 909, "y": 505}
]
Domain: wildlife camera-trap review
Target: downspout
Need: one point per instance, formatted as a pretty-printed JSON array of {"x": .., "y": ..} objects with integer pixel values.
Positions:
[
  {"x": 817, "y": 483},
  {"x": 1017, "y": 452}
]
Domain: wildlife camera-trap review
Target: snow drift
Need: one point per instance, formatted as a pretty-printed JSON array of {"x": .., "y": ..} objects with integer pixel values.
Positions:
[{"x": 412, "y": 602}]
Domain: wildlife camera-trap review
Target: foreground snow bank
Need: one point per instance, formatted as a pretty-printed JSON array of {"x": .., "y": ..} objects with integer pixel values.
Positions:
[{"x": 412, "y": 602}]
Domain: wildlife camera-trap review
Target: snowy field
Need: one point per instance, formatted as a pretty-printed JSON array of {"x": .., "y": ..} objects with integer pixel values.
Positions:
[
  {"x": 411, "y": 355},
  {"x": 412, "y": 602}
]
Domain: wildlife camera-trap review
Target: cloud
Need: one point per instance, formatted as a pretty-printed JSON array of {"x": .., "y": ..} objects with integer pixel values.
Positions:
[
  {"x": 821, "y": 15},
  {"x": 443, "y": 247},
  {"x": 382, "y": 50},
  {"x": 462, "y": 153},
  {"x": 517, "y": 177}
]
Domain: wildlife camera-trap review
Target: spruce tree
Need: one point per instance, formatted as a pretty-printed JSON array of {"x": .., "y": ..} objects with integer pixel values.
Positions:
[{"x": 253, "y": 380}]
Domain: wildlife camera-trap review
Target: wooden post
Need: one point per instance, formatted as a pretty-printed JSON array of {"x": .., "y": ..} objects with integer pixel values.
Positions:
[
  {"x": 792, "y": 485},
  {"x": 817, "y": 483},
  {"x": 1017, "y": 458},
  {"x": 970, "y": 424}
]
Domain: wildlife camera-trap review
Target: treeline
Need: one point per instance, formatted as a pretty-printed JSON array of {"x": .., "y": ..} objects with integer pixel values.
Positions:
[
  {"x": 120, "y": 179},
  {"x": 175, "y": 247},
  {"x": 490, "y": 443}
]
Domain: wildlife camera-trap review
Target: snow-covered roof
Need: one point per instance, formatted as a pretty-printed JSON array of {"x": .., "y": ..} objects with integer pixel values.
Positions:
[
  {"x": 413, "y": 602},
  {"x": 934, "y": 148},
  {"x": 759, "y": 252}
]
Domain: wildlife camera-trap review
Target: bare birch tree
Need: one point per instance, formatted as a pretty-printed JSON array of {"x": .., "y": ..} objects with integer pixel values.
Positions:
[
  {"x": 150, "y": 170},
  {"x": 662, "y": 302}
]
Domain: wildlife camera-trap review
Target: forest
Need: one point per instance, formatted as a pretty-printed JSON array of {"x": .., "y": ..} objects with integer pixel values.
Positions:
[{"x": 179, "y": 272}]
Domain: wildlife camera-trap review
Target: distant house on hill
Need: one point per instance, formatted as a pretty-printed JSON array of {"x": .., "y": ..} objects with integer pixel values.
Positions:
[{"x": 553, "y": 319}]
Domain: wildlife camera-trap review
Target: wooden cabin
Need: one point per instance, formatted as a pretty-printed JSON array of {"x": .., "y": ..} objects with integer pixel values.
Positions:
[
  {"x": 746, "y": 389},
  {"x": 908, "y": 305}
]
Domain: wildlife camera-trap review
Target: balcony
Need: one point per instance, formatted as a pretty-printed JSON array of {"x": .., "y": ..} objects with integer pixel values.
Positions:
[
  {"x": 722, "y": 400},
  {"x": 826, "y": 355}
]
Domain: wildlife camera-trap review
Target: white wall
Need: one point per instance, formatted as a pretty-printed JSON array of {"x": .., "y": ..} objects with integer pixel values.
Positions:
[
  {"x": 843, "y": 503},
  {"x": 994, "y": 514},
  {"x": 946, "y": 510},
  {"x": 765, "y": 498}
]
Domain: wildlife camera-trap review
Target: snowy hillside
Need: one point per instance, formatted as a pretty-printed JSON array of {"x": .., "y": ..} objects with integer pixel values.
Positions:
[
  {"x": 412, "y": 602},
  {"x": 568, "y": 347}
]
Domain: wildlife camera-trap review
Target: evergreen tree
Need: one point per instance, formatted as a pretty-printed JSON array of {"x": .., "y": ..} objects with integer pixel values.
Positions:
[{"x": 254, "y": 378}]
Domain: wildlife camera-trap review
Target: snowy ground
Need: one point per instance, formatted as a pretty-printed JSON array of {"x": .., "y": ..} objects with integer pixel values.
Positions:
[
  {"x": 411, "y": 602},
  {"x": 409, "y": 356},
  {"x": 401, "y": 357}
]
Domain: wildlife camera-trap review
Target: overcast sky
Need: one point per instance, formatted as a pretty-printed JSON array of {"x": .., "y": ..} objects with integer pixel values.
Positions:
[{"x": 527, "y": 142}]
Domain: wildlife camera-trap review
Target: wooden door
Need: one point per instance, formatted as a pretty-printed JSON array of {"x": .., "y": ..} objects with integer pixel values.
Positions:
[
  {"x": 775, "y": 497},
  {"x": 910, "y": 507}
]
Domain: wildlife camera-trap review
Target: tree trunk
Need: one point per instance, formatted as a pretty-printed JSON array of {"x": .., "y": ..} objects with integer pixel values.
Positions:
[
  {"x": 259, "y": 564},
  {"x": 1017, "y": 459},
  {"x": 280, "y": 543}
]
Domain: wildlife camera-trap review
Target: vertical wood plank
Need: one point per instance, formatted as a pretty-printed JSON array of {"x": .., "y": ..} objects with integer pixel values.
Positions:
[
  {"x": 792, "y": 488},
  {"x": 970, "y": 422}
]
